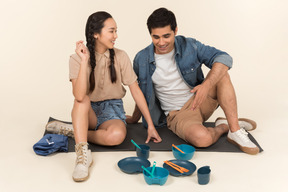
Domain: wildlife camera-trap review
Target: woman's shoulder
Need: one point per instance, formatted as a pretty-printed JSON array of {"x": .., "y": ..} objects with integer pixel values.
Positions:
[{"x": 120, "y": 52}]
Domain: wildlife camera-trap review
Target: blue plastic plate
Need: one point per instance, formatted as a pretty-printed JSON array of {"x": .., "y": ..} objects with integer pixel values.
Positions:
[
  {"x": 183, "y": 163},
  {"x": 133, "y": 164}
]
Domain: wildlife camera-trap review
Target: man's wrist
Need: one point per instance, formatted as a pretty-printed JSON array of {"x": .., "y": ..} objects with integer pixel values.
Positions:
[{"x": 208, "y": 83}]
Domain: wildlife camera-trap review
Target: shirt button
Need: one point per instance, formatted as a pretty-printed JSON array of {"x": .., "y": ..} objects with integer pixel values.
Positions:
[{"x": 192, "y": 69}]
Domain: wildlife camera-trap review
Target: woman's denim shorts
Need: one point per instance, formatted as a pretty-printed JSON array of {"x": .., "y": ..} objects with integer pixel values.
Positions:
[{"x": 107, "y": 110}]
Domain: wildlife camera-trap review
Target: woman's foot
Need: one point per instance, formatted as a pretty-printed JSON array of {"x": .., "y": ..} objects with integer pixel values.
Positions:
[
  {"x": 83, "y": 162},
  {"x": 60, "y": 128}
]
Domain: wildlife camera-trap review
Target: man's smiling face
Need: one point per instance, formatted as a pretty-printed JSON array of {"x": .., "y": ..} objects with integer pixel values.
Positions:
[{"x": 163, "y": 39}]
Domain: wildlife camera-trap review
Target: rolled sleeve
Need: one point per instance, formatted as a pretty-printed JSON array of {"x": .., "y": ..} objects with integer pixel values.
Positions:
[
  {"x": 210, "y": 55},
  {"x": 224, "y": 59}
]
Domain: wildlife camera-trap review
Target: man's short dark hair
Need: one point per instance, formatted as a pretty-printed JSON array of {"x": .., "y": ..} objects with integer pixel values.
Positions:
[{"x": 161, "y": 18}]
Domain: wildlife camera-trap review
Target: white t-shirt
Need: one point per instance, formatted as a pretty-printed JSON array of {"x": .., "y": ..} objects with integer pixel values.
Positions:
[{"x": 170, "y": 88}]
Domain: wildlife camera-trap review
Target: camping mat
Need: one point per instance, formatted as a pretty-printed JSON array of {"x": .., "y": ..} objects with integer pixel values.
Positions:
[{"x": 139, "y": 134}]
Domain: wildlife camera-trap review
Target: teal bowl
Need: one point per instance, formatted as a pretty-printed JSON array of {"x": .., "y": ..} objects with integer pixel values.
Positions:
[
  {"x": 187, "y": 149},
  {"x": 160, "y": 176}
]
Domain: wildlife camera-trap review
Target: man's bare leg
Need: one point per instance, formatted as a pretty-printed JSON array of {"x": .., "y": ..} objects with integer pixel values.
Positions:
[
  {"x": 201, "y": 136},
  {"x": 227, "y": 99}
]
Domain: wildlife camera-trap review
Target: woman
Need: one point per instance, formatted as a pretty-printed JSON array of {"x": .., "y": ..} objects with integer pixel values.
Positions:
[{"x": 97, "y": 73}]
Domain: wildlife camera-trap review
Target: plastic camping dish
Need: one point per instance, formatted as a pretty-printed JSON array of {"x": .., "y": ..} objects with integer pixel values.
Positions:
[
  {"x": 183, "y": 163},
  {"x": 133, "y": 164},
  {"x": 188, "y": 152},
  {"x": 160, "y": 176}
]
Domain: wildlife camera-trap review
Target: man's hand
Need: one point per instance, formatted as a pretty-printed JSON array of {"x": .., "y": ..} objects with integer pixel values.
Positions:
[
  {"x": 201, "y": 93},
  {"x": 130, "y": 120},
  {"x": 135, "y": 116}
]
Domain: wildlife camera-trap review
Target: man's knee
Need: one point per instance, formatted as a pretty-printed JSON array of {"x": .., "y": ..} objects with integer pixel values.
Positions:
[
  {"x": 200, "y": 138},
  {"x": 225, "y": 79}
]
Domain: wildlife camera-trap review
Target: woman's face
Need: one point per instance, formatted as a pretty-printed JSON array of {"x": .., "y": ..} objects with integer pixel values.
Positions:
[{"x": 106, "y": 39}]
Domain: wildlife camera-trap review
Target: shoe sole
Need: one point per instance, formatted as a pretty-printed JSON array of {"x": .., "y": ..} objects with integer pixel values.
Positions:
[
  {"x": 251, "y": 151},
  {"x": 253, "y": 123},
  {"x": 84, "y": 178}
]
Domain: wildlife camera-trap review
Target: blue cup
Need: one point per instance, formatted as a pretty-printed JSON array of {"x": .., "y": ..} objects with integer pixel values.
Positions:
[
  {"x": 143, "y": 152},
  {"x": 203, "y": 174}
]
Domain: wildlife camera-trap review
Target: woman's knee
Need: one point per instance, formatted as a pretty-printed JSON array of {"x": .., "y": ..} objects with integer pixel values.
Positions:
[{"x": 116, "y": 136}]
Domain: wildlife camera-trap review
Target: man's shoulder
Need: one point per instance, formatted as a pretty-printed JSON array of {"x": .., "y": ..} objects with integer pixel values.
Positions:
[
  {"x": 182, "y": 39},
  {"x": 184, "y": 44},
  {"x": 144, "y": 53}
]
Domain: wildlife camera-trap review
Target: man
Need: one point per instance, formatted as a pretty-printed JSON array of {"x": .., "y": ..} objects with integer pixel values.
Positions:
[{"x": 170, "y": 76}]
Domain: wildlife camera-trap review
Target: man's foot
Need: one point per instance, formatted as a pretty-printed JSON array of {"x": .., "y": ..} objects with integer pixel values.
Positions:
[
  {"x": 244, "y": 123},
  {"x": 57, "y": 127},
  {"x": 241, "y": 139}
]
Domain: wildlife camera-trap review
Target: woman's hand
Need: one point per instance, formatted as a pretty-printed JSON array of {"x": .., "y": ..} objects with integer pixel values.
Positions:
[
  {"x": 82, "y": 51},
  {"x": 143, "y": 108},
  {"x": 153, "y": 135}
]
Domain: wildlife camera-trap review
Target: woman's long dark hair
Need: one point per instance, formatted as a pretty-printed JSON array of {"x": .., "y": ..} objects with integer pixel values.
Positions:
[{"x": 94, "y": 24}]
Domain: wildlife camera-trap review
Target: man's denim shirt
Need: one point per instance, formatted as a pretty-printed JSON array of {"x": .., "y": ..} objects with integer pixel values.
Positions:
[{"x": 190, "y": 54}]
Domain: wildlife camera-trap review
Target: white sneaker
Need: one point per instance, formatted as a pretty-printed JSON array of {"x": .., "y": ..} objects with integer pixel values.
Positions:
[
  {"x": 83, "y": 162},
  {"x": 244, "y": 123},
  {"x": 60, "y": 128},
  {"x": 241, "y": 139}
]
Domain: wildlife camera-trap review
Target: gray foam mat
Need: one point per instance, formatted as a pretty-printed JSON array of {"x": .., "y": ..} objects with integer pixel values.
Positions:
[{"x": 139, "y": 134}]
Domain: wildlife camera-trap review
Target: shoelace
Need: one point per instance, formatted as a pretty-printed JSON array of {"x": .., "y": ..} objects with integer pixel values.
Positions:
[
  {"x": 243, "y": 135},
  {"x": 66, "y": 131},
  {"x": 81, "y": 157}
]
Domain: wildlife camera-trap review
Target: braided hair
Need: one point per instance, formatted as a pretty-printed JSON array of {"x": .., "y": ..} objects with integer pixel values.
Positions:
[{"x": 94, "y": 24}]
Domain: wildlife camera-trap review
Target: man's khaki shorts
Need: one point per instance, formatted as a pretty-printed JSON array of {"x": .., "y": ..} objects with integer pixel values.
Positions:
[{"x": 179, "y": 120}]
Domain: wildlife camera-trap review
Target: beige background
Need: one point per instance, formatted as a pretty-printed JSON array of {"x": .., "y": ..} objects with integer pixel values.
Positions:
[{"x": 37, "y": 38}]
